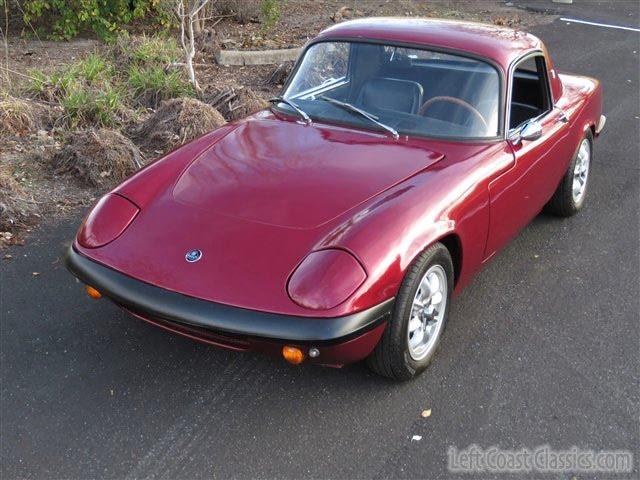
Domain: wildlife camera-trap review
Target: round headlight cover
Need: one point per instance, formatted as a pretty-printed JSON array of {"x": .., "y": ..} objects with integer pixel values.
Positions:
[
  {"x": 325, "y": 279},
  {"x": 109, "y": 218}
]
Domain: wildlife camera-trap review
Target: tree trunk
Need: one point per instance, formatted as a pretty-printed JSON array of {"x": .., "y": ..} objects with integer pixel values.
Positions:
[
  {"x": 192, "y": 52},
  {"x": 195, "y": 22},
  {"x": 191, "y": 12}
]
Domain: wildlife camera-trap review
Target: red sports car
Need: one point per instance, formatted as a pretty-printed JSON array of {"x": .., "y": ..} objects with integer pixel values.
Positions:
[{"x": 334, "y": 227}]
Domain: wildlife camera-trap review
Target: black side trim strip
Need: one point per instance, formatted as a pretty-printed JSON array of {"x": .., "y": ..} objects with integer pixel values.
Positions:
[{"x": 165, "y": 304}]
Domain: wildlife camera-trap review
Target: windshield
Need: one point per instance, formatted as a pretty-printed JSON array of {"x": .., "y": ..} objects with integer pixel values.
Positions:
[{"x": 413, "y": 91}]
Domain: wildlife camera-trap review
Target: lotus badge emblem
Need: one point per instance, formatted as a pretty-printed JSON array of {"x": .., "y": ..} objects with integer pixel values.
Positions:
[{"x": 193, "y": 255}]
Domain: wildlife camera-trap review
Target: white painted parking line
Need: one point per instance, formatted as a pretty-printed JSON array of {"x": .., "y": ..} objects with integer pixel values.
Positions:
[{"x": 597, "y": 24}]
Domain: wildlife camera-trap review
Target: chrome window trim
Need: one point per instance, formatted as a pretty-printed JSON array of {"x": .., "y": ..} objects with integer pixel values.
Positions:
[{"x": 512, "y": 68}]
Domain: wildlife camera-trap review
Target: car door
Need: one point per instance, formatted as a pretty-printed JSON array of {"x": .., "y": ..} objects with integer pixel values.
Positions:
[{"x": 518, "y": 195}]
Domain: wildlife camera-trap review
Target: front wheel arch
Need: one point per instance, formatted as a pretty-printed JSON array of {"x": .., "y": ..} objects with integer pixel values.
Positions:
[
  {"x": 393, "y": 356},
  {"x": 453, "y": 243}
]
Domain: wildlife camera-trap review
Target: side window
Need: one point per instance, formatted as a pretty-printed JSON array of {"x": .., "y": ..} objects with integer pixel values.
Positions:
[{"x": 530, "y": 91}]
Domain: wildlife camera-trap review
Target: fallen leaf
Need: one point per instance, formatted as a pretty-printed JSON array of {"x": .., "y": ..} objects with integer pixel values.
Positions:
[
  {"x": 35, "y": 274},
  {"x": 8, "y": 257},
  {"x": 426, "y": 413},
  {"x": 416, "y": 438}
]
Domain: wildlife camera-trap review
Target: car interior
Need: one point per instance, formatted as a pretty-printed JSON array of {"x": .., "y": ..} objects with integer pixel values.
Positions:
[
  {"x": 398, "y": 79},
  {"x": 391, "y": 94},
  {"x": 396, "y": 84},
  {"x": 530, "y": 93},
  {"x": 431, "y": 93}
]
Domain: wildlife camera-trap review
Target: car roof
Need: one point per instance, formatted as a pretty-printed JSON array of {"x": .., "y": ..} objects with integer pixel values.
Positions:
[{"x": 502, "y": 45}]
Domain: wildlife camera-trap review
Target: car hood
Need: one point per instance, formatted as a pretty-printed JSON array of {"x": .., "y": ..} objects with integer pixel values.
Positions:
[
  {"x": 296, "y": 176},
  {"x": 256, "y": 203}
]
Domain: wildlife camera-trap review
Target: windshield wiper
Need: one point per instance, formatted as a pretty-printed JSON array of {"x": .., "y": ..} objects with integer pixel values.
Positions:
[
  {"x": 359, "y": 111},
  {"x": 298, "y": 110}
]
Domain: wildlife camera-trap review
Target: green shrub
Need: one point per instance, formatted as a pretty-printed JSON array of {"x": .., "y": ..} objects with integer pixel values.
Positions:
[
  {"x": 104, "y": 89},
  {"x": 151, "y": 85},
  {"x": 86, "y": 106},
  {"x": 270, "y": 10},
  {"x": 66, "y": 18},
  {"x": 155, "y": 50},
  {"x": 89, "y": 91},
  {"x": 38, "y": 84},
  {"x": 77, "y": 104},
  {"x": 50, "y": 87},
  {"x": 149, "y": 75},
  {"x": 93, "y": 68},
  {"x": 62, "y": 79},
  {"x": 109, "y": 106}
]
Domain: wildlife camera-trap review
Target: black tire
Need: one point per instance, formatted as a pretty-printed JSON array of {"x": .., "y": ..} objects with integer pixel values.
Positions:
[
  {"x": 563, "y": 203},
  {"x": 391, "y": 357}
]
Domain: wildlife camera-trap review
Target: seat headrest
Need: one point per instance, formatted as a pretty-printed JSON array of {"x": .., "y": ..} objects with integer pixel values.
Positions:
[{"x": 391, "y": 94}]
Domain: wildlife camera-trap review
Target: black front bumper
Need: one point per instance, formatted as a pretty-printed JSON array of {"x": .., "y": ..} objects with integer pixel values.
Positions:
[{"x": 159, "y": 303}]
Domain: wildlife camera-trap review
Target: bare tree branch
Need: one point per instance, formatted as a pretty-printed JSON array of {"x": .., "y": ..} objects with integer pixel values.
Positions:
[
  {"x": 187, "y": 12},
  {"x": 200, "y": 7},
  {"x": 5, "y": 36}
]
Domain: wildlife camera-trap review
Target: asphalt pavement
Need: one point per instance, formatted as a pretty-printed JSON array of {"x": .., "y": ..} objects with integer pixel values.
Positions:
[{"x": 542, "y": 348}]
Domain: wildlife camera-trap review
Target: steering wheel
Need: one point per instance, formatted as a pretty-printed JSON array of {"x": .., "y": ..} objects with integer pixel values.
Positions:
[{"x": 457, "y": 101}]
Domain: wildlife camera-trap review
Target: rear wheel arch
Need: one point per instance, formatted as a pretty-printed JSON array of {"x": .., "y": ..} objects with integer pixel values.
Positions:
[
  {"x": 589, "y": 126},
  {"x": 564, "y": 203}
]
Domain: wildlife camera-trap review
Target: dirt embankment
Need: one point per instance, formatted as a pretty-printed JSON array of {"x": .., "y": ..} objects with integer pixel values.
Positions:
[{"x": 50, "y": 165}]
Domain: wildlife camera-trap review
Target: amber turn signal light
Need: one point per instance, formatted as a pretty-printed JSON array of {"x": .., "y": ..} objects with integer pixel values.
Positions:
[
  {"x": 292, "y": 354},
  {"x": 92, "y": 292}
]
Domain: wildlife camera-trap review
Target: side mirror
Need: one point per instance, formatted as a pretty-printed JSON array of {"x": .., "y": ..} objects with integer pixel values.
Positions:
[{"x": 532, "y": 130}]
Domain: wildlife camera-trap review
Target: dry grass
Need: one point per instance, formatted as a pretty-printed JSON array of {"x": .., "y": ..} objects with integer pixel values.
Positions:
[
  {"x": 236, "y": 102},
  {"x": 20, "y": 117},
  {"x": 16, "y": 208},
  {"x": 176, "y": 122},
  {"x": 242, "y": 11},
  {"x": 101, "y": 158},
  {"x": 246, "y": 103}
]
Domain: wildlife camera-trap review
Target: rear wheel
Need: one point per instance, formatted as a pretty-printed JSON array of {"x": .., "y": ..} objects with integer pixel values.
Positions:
[
  {"x": 569, "y": 198},
  {"x": 420, "y": 314}
]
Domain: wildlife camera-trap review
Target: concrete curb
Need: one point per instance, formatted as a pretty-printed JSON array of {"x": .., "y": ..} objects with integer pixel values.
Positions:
[{"x": 256, "y": 57}]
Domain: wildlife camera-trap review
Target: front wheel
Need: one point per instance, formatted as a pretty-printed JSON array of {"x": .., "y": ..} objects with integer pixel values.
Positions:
[
  {"x": 420, "y": 314},
  {"x": 569, "y": 198}
]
